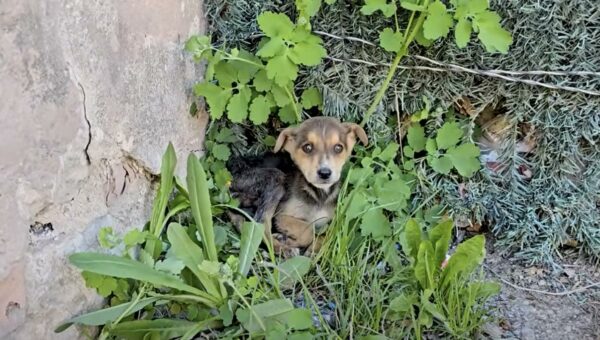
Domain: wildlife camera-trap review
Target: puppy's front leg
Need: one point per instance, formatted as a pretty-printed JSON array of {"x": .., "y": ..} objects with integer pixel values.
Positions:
[{"x": 299, "y": 233}]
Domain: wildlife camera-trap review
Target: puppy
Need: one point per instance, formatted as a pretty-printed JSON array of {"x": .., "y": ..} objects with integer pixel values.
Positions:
[{"x": 295, "y": 191}]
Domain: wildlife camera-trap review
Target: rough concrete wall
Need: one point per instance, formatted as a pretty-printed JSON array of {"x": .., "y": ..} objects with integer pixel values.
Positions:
[{"x": 91, "y": 92}]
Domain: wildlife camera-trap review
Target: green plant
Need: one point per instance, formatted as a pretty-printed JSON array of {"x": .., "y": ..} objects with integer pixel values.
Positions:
[
  {"x": 251, "y": 86},
  {"x": 429, "y": 21},
  {"x": 445, "y": 151},
  {"x": 181, "y": 285}
]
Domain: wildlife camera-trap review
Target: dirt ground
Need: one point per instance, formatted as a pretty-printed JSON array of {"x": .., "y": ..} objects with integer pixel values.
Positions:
[{"x": 523, "y": 313}]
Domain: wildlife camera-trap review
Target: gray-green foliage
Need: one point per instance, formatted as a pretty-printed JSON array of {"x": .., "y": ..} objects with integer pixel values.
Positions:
[{"x": 531, "y": 216}]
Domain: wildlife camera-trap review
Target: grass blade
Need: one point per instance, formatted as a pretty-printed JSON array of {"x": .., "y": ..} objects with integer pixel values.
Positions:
[
  {"x": 252, "y": 234},
  {"x": 201, "y": 205},
  {"x": 165, "y": 328},
  {"x": 125, "y": 268},
  {"x": 103, "y": 316}
]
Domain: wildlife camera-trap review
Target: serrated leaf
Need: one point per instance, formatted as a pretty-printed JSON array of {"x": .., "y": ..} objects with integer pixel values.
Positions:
[
  {"x": 225, "y": 135},
  {"x": 216, "y": 97},
  {"x": 462, "y": 32},
  {"x": 416, "y": 137},
  {"x": 438, "y": 21},
  {"x": 358, "y": 204},
  {"x": 393, "y": 195},
  {"x": 237, "y": 109},
  {"x": 311, "y": 97},
  {"x": 275, "y": 24},
  {"x": 282, "y": 70},
  {"x": 225, "y": 74},
  {"x": 442, "y": 164},
  {"x": 107, "y": 238},
  {"x": 280, "y": 95},
  {"x": 274, "y": 46},
  {"x": 409, "y": 165},
  {"x": 431, "y": 146},
  {"x": 134, "y": 237},
  {"x": 389, "y": 152},
  {"x": 448, "y": 135},
  {"x": 307, "y": 53},
  {"x": 287, "y": 114},
  {"x": 465, "y": 159},
  {"x": 308, "y": 8},
  {"x": 260, "y": 110},
  {"x": 491, "y": 33},
  {"x": 421, "y": 40},
  {"x": 371, "y": 6},
  {"x": 390, "y": 41},
  {"x": 469, "y": 8},
  {"x": 375, "y": 224},
  {"x": 170, "y": 265},
  {"x": 468, "y": 255},
  {"x": 221, "y": 151},
  {"x": 262, "y": 82},
  {"x": 247, "y": 67}
]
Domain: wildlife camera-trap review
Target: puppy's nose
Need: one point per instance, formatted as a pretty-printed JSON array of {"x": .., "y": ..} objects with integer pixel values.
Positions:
[{"x": 324, "y": 173}]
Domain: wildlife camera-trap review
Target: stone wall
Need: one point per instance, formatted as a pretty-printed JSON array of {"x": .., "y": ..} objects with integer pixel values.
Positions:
[{"x": 91, "y": 92}]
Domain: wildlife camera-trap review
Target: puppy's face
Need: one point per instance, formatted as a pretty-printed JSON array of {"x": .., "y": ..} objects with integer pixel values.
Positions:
[{"x": 319, "y": 147}]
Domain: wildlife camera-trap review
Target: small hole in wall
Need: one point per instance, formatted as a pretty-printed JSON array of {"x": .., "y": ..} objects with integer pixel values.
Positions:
[
  {"x": 10, "y": 307},
  {"x": 39, "y": 228}
]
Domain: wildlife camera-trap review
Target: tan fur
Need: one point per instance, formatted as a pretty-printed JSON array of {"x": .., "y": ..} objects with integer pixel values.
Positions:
[{"x": 297, "y": 218}]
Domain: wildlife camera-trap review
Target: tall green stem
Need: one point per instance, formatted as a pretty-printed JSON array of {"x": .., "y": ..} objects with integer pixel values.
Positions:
[{"x": 392, "y": 71}]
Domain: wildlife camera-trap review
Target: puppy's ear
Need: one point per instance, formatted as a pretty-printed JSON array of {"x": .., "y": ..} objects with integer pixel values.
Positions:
[
  {"x": 358, "y": 132},
  {"x": 283, "y": 138}
]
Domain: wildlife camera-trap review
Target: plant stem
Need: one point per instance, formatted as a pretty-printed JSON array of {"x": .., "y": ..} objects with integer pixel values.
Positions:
[{"x": 392, "y": 71}]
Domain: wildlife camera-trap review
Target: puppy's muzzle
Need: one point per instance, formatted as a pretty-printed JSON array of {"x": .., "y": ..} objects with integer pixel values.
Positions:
[{"x": 324, "y": 173}]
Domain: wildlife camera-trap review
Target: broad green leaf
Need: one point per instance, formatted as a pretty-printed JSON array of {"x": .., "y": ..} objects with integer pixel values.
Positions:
[
  {"x": 465, "y": 159},
  {"x": 170, "y": 264},
  {"x": 201, "y": 206},
  {"x": 390, "y": 41},
  {"x": 262, "y": 82},
  {"x": 191, "y": 255},
  {"x": 438, "y": 21},
  {"x": 409, "y": 165},
  {"x": 371, "y": 6},
  {"x": 468, "y": 255},
  {"x": 431, "y": 146},
  {"x": 412, "y": 5},
  {"x": 408, "y": 151},
  {"x": 200, "y": 326},
  {"x": 307, "y": 53},
  {"x": 105, "y": 285},
  {"x": 462, "y": 32},
  {"x": 440, "y": 237},
  {"x": 247, "y": 67},
  {"x": 421, "y": 40},
  {"x": 281, "y": 95},
  {"x": 390, "y": 151},
  {"x": 448, "y": 135},
  {"x": 416, "y": 137},
  {"x": 293, "y": 269},
  {"x": 393, "y": 195},
  {"x": 287, "y": 114},
  {"x": 167, "y": 170},
  {"x": 311, "y": 97},
  {"x": 237, "y": 109},
  {"x": 358, "y": 204},
  {"x": 490, "y": 32},
  {"x": 273, "y": 46},
  {"x": 412, "y": 238},
  {"x": 308, "y": 7},
  {"x": 260, "y": 110},
  {"x": 403, "y": 303},
  {"x": 225, "y": 73},
  {"x": 469, "y": 8},
  {"x": 441, "y": 165},
  {"x": 226, "y": 313},
  {"x": 425, "y": 266},
  {"x": 198, "y": 44},
  {"x": 226, "y": 135},
  {"x": 254, "y": 319},
  {"x": 164, "y": 328},
  {"x": 298, "y": 319},
  {"x": 129, "y": 269},
  {"x": 275, "y": 24},
  {"x": 301, "y": 336},
  {"x": 252, "y": 234},
  {"x": 376, "y": 224},
  {"x": 216, "y": 97},
  {"x": 106, "y": 315},
  {"x": 282, "y": 70},
  {"x": 221, "y": 151}
]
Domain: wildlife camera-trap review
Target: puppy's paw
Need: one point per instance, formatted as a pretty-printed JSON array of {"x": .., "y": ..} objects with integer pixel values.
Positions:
[{"x": 290, "y": 252}]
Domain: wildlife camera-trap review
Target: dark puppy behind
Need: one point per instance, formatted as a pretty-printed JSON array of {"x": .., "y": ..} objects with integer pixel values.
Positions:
[{"x": 294, "y": 192}]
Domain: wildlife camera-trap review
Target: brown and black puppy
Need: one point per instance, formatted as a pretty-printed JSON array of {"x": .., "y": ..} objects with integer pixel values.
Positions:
[{"x": 296, "y": 191}]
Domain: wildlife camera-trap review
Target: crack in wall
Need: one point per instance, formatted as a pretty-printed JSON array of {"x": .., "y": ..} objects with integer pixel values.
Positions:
[{"x": 89, "y": 141}]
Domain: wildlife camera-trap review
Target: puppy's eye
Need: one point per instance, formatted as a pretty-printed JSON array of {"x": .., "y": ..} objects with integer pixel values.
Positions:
[
  {"x": 308, "y": 148},
  {"x": 338, "y": 148}
]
